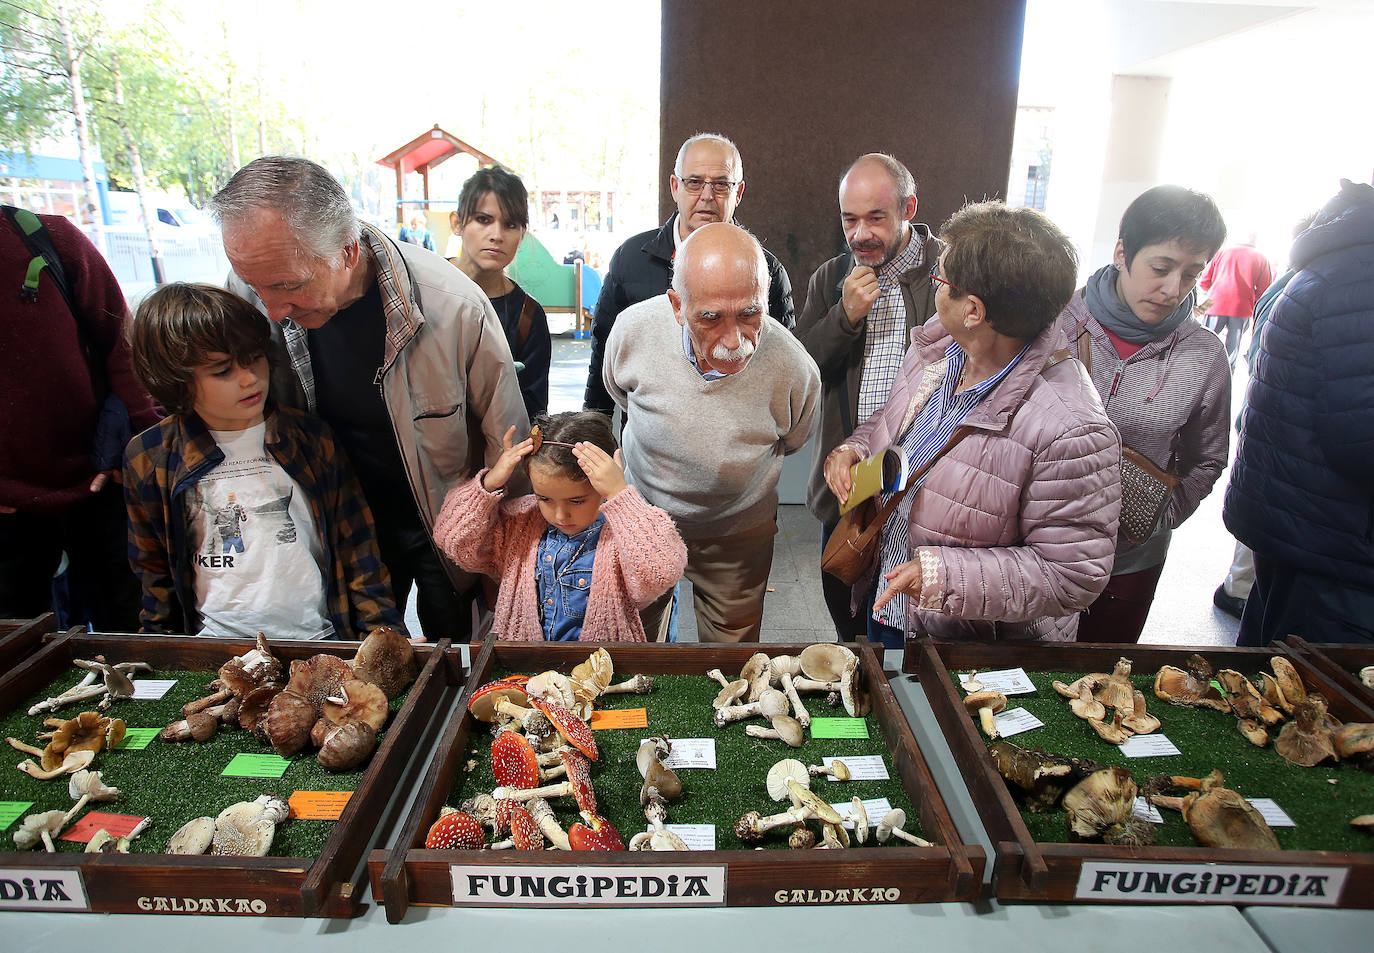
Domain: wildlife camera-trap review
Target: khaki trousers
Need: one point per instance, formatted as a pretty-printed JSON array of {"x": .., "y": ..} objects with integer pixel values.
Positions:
[{"x": 729, "y": 576}]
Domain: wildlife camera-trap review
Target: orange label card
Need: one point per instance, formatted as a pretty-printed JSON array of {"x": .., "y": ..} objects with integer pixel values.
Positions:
[
  {"x": 118, "y": 825},
  {"x": 622, "y": 718},
  {"x": 319, "y": 805}
]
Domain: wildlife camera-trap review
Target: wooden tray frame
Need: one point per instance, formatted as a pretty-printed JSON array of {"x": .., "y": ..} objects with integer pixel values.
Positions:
[
  {"x": 20, "y": 638},
  {"x": 257, "y": 886},
  {"x": 409, "y": 874},
  {"x": 1027, "y": 870},
  {"x": 1337, "y": 661}
]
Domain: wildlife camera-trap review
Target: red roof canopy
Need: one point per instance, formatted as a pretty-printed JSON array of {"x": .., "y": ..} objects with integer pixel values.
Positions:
[{"x": 425, "y": 152}]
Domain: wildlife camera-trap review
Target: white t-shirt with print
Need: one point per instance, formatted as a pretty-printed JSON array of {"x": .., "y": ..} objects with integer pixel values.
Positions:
[{"x": 256, "y": 549}]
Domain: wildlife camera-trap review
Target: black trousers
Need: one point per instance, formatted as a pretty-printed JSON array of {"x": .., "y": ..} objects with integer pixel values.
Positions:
[
  {"x": 848, "y": 626},
  {"x": 1286, "y": 600},
  {"x": 410, "y": 556},
  {"x": 100, "y": 588}
]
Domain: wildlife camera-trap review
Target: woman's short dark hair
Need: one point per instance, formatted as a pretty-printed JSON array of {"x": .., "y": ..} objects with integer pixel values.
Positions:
[
  {"x": 1016, "y": 260},
  {"x": 179, "y": 325},
  {"x": 510, "y": 194},
  {"x": 1172, "y": 213},
  {"x": 577, "y": 426}
]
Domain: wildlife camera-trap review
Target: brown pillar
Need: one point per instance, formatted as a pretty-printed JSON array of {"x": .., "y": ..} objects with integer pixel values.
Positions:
[{"x": 804, "y": 87}]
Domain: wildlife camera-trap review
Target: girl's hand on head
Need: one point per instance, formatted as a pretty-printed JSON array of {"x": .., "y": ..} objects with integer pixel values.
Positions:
[
  {"x": 505, "y": 465},
  {"x": 606, "y": 472}
]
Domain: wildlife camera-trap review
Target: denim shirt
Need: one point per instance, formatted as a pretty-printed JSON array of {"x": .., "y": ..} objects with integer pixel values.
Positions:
[{"x": 563, "y": 576}]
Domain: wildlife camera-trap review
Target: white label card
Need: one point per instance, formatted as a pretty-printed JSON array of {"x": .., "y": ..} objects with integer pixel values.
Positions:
[
  {"x": 587, "y": 885},
  {"x": 875, "y": 808},
  {"x": 1148, "y": 746},
  {"x": 863, "y": 767},
  {"x": 1008, "y": 681},
  {"x": 1016, "y": 721},
  {"x": 1143, "y": 808},
  {"x": 1273, "y": 815},
  {"x": 50, "y": 888},
  {"x": 695, "y": 836},
  {"x": 1211, "y": 883},
  {"x": 690, "y": 753},
  {"x": 151, "y": 689}
]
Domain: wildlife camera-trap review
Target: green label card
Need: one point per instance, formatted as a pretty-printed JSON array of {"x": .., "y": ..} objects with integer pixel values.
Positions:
[
  {"x": 839, "y": 728},
  {"x": 11, "y": 810},
  {"x": 136, "y": 739},
  {"x": 256, "y": 766}
]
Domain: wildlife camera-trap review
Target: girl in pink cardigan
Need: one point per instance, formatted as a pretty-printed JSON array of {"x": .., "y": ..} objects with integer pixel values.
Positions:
[{"x": 579, "y": 557}]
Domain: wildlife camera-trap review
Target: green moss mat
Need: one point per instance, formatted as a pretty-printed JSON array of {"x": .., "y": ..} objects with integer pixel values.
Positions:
[
  {"x": 680, "y": 707},
  {"x": 168, "y": 782},
  {"x": 1207, "y": 739}
]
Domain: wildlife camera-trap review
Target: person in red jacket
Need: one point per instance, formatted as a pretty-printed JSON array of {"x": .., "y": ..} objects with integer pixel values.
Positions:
[
  {"x": 1234, "y": 281},
  {"x": 55, "y": 497}
]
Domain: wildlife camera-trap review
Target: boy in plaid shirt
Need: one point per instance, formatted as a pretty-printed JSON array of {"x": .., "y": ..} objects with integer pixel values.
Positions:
[{"x": 243, "y": 516}]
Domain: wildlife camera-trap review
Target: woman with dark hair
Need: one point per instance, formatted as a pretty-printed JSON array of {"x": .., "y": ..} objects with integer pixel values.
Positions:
[
  {"x": 1164, "y": 382},
  {"x": 493, "y": 215},
  {"x": 1010, "y": 531}
]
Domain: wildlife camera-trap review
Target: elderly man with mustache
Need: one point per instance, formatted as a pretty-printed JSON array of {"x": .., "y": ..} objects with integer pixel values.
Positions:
[{"x": 715, "y": 394}]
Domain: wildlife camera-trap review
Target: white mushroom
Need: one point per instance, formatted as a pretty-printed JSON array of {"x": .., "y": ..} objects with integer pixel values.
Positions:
[
  {"x": 85, "y": 786},
  {"x": 770, "y": 704},
  {"x": 824, "y": 662},
  {"x": 553, "y": 687},
  {"x": 40, "y": 828},
  {"x": 193, "y": 837},
  {"x": 636, "y": 685},
  {"x": 852, "y": 694},
  {"x": 836, "y": 769},
  {"x": 548, "y": 823},
  {"x": 755, "y": 672},
  {"x": 72, "y": 763},
  {"x": 790, "y": 688},
  {"x": 891, "y": 826},
  {"x": 785, "y": 728},
  {"x": 859, "y": 815},
  {"x": 778, "y": 775},
  {"x": 246, "y": 829},
  {"x": 660, "y": 838}
]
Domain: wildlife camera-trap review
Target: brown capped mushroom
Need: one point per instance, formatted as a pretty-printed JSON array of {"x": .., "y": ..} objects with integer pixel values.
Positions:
[
  {"x": 253, "y": 708},
  {"x": 317, "y": 678},
  {"x": 1354, "y": 743},
  {"x": 1101, "y": 805},
  {"x": 1114, "y": 732},
  {"x": 197, "y": 726},
  {"x": 357, "y": 700},
  {"x": 288, "y": 722},
  {"x": 983, "y": 705},
  {"x": 1219, "y": 817},
  {"x": 1190, "y": 686},
  {"x": 661, "y": 783},
  {"x": 1139, "y": 720},
  {"x": 387, "y": 660},
  {"x": 1087, "y": 707},
  {"x": 258, "y": 666},
  {"x": 347, "y": 745},
  {"x": 1042, "y": 776},
  {"x": 1291, "y": 689},
  {"x": 85, "y": 732},
  {"x": 1306, "y": 740}
]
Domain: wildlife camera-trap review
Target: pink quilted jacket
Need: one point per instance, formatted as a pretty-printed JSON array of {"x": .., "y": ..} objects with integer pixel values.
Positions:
[
  {"x": 639, "y": 556},
  {"x": 1022, "y": 514}
]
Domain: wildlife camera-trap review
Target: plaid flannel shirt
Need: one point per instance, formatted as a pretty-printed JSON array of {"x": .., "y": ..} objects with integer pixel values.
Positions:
[{"x": 161, "y": 463}]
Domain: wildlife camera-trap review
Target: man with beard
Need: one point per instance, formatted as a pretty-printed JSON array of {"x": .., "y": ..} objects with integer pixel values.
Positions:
[
  {"x": 704, "y": 441},
  {"x": 707, "y": 183},
  {"x": 860, "y": 309}
]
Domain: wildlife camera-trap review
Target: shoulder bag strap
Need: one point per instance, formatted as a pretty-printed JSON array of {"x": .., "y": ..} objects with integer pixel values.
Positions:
[{"x": 522, "y": 329}]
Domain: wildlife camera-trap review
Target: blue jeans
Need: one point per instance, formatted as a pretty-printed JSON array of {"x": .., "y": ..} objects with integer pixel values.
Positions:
[
  {"x": 236, "y": 542},
  {"x": 879, "y": 632}
]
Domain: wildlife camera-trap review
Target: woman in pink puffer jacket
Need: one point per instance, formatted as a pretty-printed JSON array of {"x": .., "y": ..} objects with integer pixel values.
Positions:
[{"x": 1013, "y": 530}]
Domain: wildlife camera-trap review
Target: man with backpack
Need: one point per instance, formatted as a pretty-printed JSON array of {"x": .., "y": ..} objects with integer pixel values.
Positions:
[
  {"x": 69, "y": 399},
  {"x": 860, "y": 309}
]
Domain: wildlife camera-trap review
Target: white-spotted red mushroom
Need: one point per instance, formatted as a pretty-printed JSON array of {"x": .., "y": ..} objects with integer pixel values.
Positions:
[
  {"x": 503, "y": 696},
  {"x": 572, "y": 729},
  {"x": 514, "y": 761},
  {"x": 580, "y": 777},
  {"x": 524, "y": 830},
  {"x": 596, "y": 833},
  {"x": 454, "y": 830}
]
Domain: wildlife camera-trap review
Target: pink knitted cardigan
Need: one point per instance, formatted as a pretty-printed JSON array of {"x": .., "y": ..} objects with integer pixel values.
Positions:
[{"x": 639, "y": 557}]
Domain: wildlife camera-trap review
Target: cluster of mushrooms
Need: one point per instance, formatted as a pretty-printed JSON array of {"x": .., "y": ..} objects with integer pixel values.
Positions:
[
  {"x": 790, "y": 780},
  {"x": 338, "y": 706},
  {"x": 771, "y": 688},
  {"x": 245, "y": 829},
  {"x": 71, "y": 746},
  {"x": 542, "y": 734}
]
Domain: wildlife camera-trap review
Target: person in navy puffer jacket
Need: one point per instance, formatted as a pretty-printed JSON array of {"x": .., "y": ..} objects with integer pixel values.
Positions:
[{"x": 1302, "y": 488}]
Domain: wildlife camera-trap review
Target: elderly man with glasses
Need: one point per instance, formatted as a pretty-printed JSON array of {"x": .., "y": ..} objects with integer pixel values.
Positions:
[{"x": 707, "y": 183}]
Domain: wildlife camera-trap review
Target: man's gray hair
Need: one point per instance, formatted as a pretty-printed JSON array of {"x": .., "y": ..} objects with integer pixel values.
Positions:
[
  {"x": 708, "y": 137},
  {"x": 679, "y": 283},
  {"x": 902, "y": 178},
  {"x": 312, "y": 202}
]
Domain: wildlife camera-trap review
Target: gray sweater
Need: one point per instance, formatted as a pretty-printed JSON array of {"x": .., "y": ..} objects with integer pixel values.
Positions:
[{"x": 709, "y": 453}]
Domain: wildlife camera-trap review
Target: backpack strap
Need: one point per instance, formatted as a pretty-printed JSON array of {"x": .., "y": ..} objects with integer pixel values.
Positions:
[{"x": 39, "y": 242}]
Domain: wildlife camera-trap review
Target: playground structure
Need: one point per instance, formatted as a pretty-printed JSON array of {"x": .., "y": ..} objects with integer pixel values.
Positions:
[{"x": 560, "y": 288}]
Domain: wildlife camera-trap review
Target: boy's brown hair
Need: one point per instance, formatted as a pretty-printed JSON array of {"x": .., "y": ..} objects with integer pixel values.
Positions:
[{"x": 179, "y": 325}]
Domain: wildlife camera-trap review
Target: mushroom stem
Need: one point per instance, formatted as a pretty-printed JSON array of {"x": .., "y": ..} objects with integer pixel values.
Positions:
[
  {"x": 753, "y": 826},
  {"x": 200, "y": 704},
  {"x": 544, "y": 817},
  {"x": 719, "y": 676},
  {"x": 789, "y": 685},
  {"x": 562, "y": 789},
  {"x": 27, "y": 749},
  {"x": 47, "y": 842},
  {"x": 910, "y": 838},
  {"x": 989, "y": 726},
  {"x": 56, "y": 702},
  {"x": 76, "y": 809},
  {"x": 547, "y": 758},
  {"x": 804, "y": 684},
  {"x": 638, "y": 685}
]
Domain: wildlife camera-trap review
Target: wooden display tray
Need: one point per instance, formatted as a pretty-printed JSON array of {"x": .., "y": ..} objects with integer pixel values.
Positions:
[
  {"x": 409, "y": 874},
  {"x": 1027, "y": 870},
  {"x": 255, "y": 886},
  {"x": 20, "y": 638},
  {"x": 1341, "y": 663}
]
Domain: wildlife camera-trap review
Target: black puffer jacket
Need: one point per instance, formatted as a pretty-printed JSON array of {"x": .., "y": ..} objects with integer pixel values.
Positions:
[
  {"x": 1302, "y": 489},
  {"x": 641, "y": 269}
]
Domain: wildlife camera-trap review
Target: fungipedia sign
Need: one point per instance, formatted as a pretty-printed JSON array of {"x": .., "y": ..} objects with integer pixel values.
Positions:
[
  {"x": 580, "y": 886},
  {"x": 50, "y": 888},
  {"x": 1211, "y": 883}
]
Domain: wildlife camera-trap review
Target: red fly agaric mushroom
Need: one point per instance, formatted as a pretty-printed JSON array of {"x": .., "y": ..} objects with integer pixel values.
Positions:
[
  {"x": 524, "y": 831},
  {"x": 514, "y": 761},
  {"x": 454, "y": 830},
  {"x": 573, "y": 729},
  {"x": 596, "y": 834},
  {"x": 503, "y": 696},
  {"x": 580, "y": 777}
]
